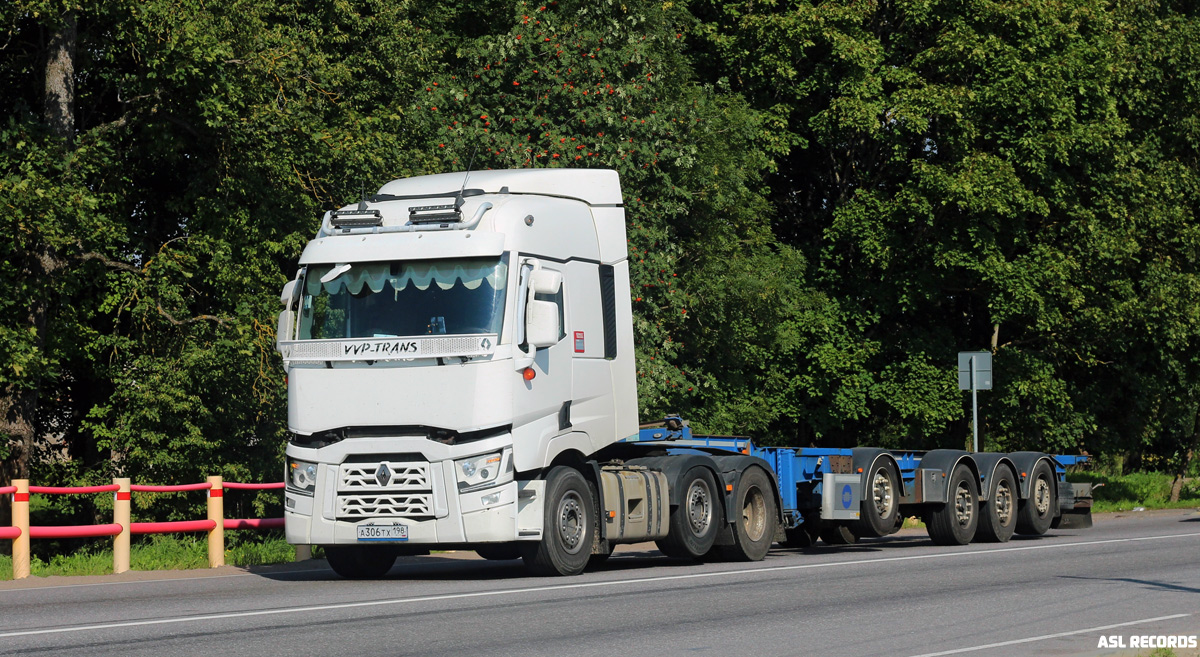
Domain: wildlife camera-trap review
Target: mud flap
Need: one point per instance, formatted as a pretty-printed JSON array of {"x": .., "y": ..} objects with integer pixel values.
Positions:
[{"x": 1076, "y": 511}]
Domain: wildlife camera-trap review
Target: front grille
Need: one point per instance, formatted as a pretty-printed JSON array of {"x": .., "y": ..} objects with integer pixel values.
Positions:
[
  {"x": 385, "y": 489},
  {"x": 390, "y": 506},
  {"x": 401, "y": 476}
]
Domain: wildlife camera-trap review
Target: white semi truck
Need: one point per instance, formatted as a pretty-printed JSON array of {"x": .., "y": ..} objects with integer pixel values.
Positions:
[{"x": 460, "y": 372}]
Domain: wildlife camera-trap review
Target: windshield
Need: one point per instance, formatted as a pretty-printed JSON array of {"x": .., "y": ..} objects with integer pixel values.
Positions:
[{"x": 394, "y": 299}]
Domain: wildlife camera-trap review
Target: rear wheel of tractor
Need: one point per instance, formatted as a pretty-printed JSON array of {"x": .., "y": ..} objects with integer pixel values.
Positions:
[
  {"x": 954, "y": 523},
  {"x": 499, "y": 551},
  {"x": 696, "y": 520},
  {"x": 753, "y": 528},
  {"x": 839, "y": 535},
  {"x": 1034, "y": 515},
  {"x": 881, "y": 501},
  {"x": 999, "y": 517},
  {"x": 569, "y": 526},
  {"x": 359, "y": 561}
]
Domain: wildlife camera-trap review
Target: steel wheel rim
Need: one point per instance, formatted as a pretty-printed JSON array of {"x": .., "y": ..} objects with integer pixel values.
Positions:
[
  {"x": 571, "y": 521},
  {"x": 881, "y": 490},
  {"x": 1042, "y": 496},
  {"x": 963, "y": 511},
  {"x": 754, "y": 515},
  {"x": 700, "y": 510},
  {"x": 1003, "y": 503}
]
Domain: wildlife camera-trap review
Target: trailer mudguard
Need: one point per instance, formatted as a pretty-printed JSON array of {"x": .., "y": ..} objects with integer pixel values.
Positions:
[
  {"x": 1025, "y": 462},
  {"x": 864, "y": 459},
  {"x": 944, "y": 461},
  {"x": 988, "y": 462},
  {"x": 674, "y": 466}
]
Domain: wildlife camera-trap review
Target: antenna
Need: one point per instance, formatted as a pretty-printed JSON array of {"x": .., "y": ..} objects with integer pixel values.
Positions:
[{"x": 459, "y": 200}]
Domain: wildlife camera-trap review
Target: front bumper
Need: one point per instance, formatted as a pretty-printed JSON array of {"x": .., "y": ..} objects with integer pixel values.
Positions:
[{"x": 428, "y": 502}]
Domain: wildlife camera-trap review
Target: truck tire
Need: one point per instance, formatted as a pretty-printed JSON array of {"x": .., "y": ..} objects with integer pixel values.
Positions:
[
  {"x": 359, "y": 561},
  {"x": 568, "y": 526},
  {"x": 696, "y": 520},
  {"x": 954, "y": 522},
  {"x": 839, "y": 535},
  {"x": 881, "y": 501},
  {"x": 499, "y": 551},
  {"x": 753, "y": 528},
  {"x": 999, "y": 517},
  {"x": 1035, "y": 514}
]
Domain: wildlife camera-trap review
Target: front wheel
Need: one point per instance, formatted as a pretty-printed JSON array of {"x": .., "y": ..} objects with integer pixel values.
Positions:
[
  {"x": 569, "y": 526},
  {"x": 696, "y": 520},
  {"x": 754, "y": 528},
  {"x": 359, "y": 561}
]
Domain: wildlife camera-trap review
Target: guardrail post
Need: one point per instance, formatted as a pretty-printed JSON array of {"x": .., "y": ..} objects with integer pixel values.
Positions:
[
  {"x": 121, "y": 516},
  {"x": 216, "y": 513},
  {"x": 20, "y": 520}
]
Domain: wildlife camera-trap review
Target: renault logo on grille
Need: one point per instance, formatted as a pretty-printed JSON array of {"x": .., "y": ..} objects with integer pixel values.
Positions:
[{"x": 383, "y": 475}]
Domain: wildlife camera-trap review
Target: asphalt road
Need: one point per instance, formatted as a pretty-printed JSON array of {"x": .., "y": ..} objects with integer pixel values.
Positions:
[{"x": 1130, "y": 576}]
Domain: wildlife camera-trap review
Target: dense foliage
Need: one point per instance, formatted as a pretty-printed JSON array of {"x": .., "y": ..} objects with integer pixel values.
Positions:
[{"x": 826, "y": 201}]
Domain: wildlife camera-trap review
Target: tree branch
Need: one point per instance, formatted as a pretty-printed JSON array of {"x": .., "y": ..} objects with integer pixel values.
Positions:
[{"x": 197, "y": 318}]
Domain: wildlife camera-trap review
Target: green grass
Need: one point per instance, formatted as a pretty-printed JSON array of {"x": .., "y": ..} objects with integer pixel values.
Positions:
[
  {"x": 1151, "y": 490},
  {"x": 161, "y": 552}
]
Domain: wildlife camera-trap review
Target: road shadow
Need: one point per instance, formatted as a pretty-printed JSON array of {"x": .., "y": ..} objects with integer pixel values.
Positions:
[
  {"x": 1162, "y": 586},
  {"x": 464, "y": 565}
]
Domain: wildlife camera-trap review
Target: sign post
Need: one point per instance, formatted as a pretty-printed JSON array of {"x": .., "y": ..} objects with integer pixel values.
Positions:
[{"x": 975, "y": 374}]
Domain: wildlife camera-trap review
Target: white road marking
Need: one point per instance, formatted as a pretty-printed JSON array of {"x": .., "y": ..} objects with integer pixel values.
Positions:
[
  {"x": 1052, "y": 636},
  {"x": 565, "y": 587}
]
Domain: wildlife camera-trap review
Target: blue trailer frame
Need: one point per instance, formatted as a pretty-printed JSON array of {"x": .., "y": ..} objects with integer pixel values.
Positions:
[{"x": 803, "y": 469}]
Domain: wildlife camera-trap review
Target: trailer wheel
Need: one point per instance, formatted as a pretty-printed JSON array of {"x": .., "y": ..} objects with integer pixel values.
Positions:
[
  {"x": 881, "y": 501},
  {"x": 954, "y": 523},
  {"x": 499, "y": 551},
  {"x": 754, "y": 527},
  {"x": 999, "y": 517},
  {"x": 1035, "y": 514},
  {"x": 568, "y": 527},
  {"x": 359, "y": 561},
  {"x": 839, "y": 535},
  {"x": 696, "y": 520}
]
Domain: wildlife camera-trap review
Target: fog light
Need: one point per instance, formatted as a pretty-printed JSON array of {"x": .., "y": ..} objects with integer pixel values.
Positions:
[{"x": 489, "y": 500}]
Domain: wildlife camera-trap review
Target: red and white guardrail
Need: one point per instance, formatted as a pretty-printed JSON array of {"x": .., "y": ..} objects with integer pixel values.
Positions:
[{"x": 121, "y": 528}]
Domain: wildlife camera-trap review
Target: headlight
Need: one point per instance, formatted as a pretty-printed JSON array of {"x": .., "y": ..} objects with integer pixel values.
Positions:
[
  {"x": 483, "y": 471},
  {"x": 302, "y": 476}
]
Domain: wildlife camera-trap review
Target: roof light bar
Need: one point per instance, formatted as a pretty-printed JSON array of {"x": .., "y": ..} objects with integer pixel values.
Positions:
[
  {"x": 435, "y": 214},
  {"x": 355, "y": 218}
]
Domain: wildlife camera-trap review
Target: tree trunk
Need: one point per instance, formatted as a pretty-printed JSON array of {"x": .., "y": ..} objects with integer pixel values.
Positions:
[
  {"x": 19, "y": 405},
  {"x": 59, "y": 110},
  {"x": 1186, "y": 463}
]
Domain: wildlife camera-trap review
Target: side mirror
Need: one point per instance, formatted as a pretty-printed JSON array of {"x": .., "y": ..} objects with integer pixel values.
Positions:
[
  {"x": 287, "y": 322},
  {"x": 542, "y": 281},
  {"x": 541, "y": 323},
  {"x": 289, "y": 291},
  {"x": 287, "y": 318}
]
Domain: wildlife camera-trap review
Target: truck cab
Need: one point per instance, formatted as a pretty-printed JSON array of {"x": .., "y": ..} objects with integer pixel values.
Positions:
[{"x": 447, "y": 340}]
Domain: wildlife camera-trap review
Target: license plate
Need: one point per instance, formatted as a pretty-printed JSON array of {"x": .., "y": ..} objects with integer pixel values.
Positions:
[{"x": 396, "y": 532}]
